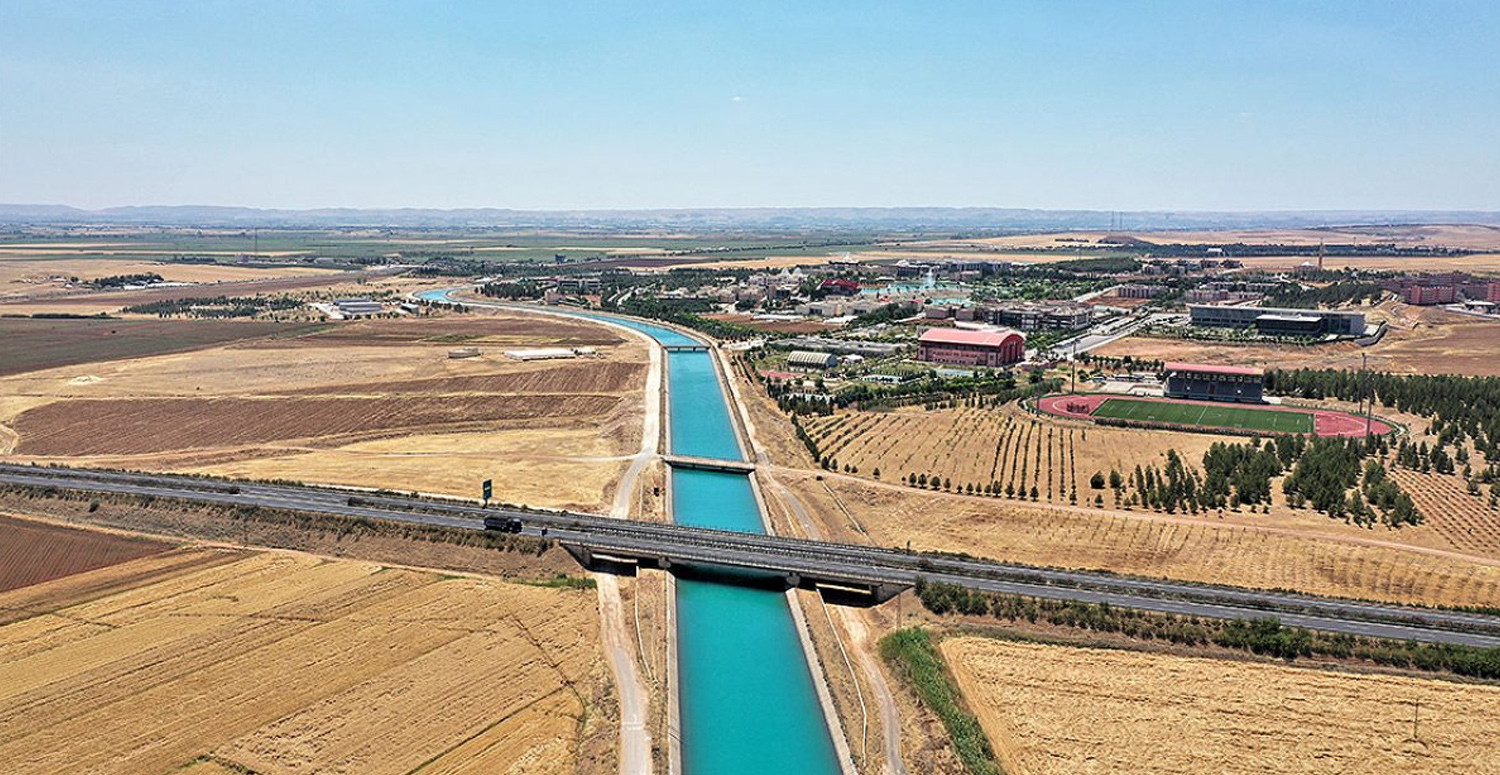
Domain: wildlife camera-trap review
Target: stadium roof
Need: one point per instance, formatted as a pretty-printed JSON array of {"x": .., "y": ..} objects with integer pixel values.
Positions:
[
  {"x": 1244, "y": 371},
  {"x": 961, "y": 336}
]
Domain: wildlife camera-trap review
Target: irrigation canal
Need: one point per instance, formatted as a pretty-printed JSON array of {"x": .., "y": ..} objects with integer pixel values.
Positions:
[{"x": 746, "y": 698}]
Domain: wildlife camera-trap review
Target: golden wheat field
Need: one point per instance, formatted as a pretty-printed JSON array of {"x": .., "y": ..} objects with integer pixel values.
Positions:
[
  {"x": 1308, "y": 553},
  {"x": 370, "y": 403},
  {"x": 279, "y": 663},
  {"x": 1066, "y": 710}
]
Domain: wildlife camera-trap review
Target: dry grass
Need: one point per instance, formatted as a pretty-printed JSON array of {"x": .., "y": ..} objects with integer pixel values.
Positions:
[
  {"x": 25, "y": 271},
  {"x": 1465, "y": 520},
  {"x": 979, "y": 446},
  {"x": 1306, "y": 552},
  {"x": 373, "y": 403},
  {"x": 1074, "y": 711},
  {"x": 282, "y": 663}
]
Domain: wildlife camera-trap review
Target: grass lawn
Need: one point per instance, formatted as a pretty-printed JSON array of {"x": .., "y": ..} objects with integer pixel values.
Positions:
[{"x": 1226, "y": 416}]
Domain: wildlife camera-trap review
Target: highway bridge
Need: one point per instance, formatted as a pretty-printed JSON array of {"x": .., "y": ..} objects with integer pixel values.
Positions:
[{"x": 853, "y": 572}]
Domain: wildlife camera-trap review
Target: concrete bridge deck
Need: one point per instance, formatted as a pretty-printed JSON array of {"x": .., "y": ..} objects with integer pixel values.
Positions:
[{"x": 708, "y": 464}]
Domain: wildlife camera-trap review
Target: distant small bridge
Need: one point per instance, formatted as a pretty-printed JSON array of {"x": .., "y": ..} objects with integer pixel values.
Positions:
[{"x": 708, "y": 464}]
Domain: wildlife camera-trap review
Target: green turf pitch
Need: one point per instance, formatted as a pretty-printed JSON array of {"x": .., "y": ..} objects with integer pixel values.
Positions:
[{"x": 1225, "y": 416}]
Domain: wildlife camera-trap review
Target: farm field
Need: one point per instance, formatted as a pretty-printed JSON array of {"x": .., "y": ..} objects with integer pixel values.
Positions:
[
  {"x": 370, "y": 403},
  {"x": 973, "y": 446},
  {"x": 1075, "y": 711},
  {"x": 282, "y": 663},
  {"x": 111, "y": 301},
  {"x": 1241, "y": 417},
  {"x": 1465, "y": 520},
  {"x": 23, "y": 274},
  {"x": 33, "y": 344},
  {"x": 32, "y": 552},
  {"x": 1465, "y": 236},
  {"x": 1289, "y": 550}
]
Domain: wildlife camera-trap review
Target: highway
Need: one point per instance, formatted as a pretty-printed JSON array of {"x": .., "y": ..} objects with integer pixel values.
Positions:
[{"x": 836, "y": 562}]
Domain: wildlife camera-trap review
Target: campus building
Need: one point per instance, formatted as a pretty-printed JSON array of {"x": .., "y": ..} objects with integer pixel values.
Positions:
[
  {"x": 1214, "y": 383},
  {"x": 1280, "y": 322},
  {"x": 810, "y": 359},
  {"x": 1427, "y": 295},
  {"x": 1139, "y": 291},
  {"x": 971, "y": 348},
  {"x": 1036, "y": 316}
]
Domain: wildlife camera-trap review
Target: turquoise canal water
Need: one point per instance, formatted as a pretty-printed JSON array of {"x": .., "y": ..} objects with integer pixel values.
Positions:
[{"x": 747, "y": 699}]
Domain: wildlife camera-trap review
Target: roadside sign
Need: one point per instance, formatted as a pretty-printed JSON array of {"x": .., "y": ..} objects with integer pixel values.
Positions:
[{"x": 489, "y": 489}]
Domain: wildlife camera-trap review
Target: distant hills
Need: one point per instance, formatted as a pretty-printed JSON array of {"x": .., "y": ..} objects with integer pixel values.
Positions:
[{"x": 876, "y": 219}]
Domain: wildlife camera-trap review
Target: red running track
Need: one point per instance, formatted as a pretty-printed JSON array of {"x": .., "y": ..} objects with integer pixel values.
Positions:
[{"x": 1325, "y": 422}]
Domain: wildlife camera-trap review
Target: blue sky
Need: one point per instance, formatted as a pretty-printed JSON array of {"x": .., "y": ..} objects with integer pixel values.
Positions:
[{"x": 1110, "y": 105}]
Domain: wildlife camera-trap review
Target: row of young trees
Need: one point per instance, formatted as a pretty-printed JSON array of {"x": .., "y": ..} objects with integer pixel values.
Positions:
[
  {"x": 215, "y": 306},
  {"x": 1266, "y": 636}
]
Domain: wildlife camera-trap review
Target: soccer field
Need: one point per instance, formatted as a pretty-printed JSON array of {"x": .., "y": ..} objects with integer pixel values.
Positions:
[{"x": 1226, "y": 416}]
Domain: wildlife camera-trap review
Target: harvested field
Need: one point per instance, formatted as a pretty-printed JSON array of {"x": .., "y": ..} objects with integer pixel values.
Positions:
[
  {"x": 151, "y": 425},
  {"x": 505, "y": 329},
  {"x": 33, "y": 552},
  {"x": 1297, "y": 550},
  {"x": 1463, "y": 236},
  {"x": 36, "y": 344},
  {"x": 564, "y": 377},
  {"x": 1465, "y": 520},
  {"x": 369, "y": 403},
  {"x": 1074, "y": 711},
  {"x": 112, "y": 301},
  {"x": 35, "y": 270},
  {"x": 282, "y": 663},
  {"x": 971, "y": 446}
]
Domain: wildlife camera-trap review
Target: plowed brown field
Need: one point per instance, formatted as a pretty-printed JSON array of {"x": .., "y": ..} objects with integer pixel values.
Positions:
[
  {"x": 148, "y": 425},
  {"x": 34, "y": 552},
  {"x": 1077, "y": 711},
  {"x": 278, "y": 663}
]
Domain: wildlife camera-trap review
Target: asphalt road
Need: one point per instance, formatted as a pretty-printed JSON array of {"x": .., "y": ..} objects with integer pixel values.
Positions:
[{"x": 813, "y": 559}]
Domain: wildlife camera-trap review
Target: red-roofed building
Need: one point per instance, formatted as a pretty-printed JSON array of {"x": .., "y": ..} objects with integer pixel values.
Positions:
[
  {"x": 1214, "y": 383},
  {"x": 840, "y": 286},
  {"x": 960, "y": 347}
]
